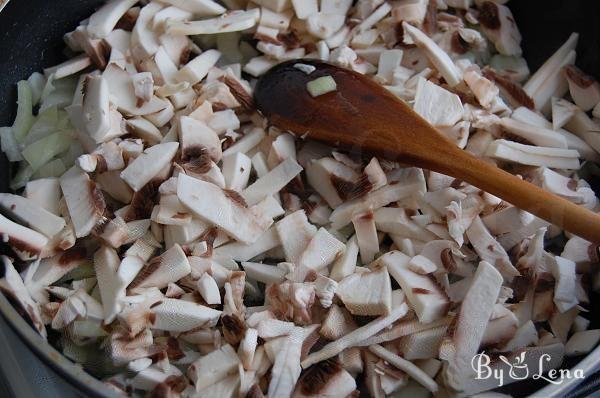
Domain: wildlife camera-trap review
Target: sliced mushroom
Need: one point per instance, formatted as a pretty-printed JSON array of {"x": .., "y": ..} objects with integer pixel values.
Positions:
[
  {"x": 11, "y": 284},
  {"x": 368, "y": 293},
  {"x": 436, "y": 55},
  {"x": 584, "y": 89},
  {"x": 84, "y": 200},
  {"x": 423, "y": 293},
  {"x": 472, "y": 322}
]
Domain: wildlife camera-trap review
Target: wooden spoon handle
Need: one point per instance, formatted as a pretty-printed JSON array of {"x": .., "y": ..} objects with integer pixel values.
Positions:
[{"x": 552, "y": 208}]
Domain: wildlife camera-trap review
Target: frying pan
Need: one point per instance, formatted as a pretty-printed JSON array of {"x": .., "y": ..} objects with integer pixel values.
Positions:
[{"x": 31, "y": 39}]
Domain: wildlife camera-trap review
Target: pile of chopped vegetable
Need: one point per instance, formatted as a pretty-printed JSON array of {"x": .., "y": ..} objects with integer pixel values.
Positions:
[{"x": 173, "y": 243}]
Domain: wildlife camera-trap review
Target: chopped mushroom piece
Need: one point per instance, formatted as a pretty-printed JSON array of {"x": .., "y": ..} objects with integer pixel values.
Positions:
[
  {"x": 321, "y": 251},
  {"x": 225, "y": 209},
  {"x": 175, "y": 315},
  {"x": 146, "y": 166},
  {"x": 430, "y": 98},
  {"x": 12, "y": 285},
  {"x": 31, "y": 214},
  {"x": 472, "y": 320},
  {"x": 229, "y": 22},
  {"x": 84, "y": 200},
  {"x": 584, "y": 89},
  {"x": 356, "y": 336},
  {"x": 423, "y": 293},
  {"x": 368, "y": 293},
  {"x": 499, "y": 26},
  {"x": 436, "y": 55}
]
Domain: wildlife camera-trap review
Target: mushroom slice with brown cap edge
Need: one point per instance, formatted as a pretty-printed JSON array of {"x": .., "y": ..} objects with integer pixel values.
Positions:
[
  {"x": 404, "y": 328},
  {"x": 471, "y": 323},
  {"x": 584, "y": 89},
  {"x": 146, "y": 166},
  {"x": 425, "y": 296},
  {"x": 333, "y": 180},
  {"x": 484, "y": 90},
  {"x": 559, "y": 185},
  {"x": 498, "y": 25},
  {"x": 69, "y": 67},
  {"x": 367, "y": 293},
  {"x": 198, "y": 140},
  {"x": 213, "y": 367},
  {"x": 175, "y": 315},
  {"x": 413, "y": 182},
  {"x": 31, "y": 214},
  {"x": 51, "y": 269},
  {"x": 84, "y": 200},
  {"x": 551, "y": 64},
  {"x": 169, "y": 267},
  {"x": 580, "y": 251},
  {"x": 327, "y": 378},
  {"x": 436, "y": 55},
  {"x": 12, "y": 284}
]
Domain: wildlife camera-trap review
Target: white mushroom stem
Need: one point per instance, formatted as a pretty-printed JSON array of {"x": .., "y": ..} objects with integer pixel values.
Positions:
[{"x": 406, "y": 366}]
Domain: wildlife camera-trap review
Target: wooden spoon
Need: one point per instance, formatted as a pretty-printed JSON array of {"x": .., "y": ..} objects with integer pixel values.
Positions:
[{"x": 362, "y": 116}]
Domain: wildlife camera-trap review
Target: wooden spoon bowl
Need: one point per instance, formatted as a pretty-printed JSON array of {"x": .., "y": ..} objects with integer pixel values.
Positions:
[{"x": 365, "y": 118}]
